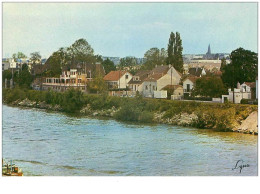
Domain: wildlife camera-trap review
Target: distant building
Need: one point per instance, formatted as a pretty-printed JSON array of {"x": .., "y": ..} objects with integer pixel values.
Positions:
[{"x": 198, "y": 72}]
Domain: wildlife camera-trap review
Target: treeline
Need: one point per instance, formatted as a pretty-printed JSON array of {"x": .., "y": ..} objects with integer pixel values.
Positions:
[{"x": 208, "y": 115}]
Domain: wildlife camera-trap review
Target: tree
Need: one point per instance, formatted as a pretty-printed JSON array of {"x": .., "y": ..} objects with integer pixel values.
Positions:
[
  {"x": 209, "y": 87},
  {"x": 154, "y": 56},
  {"x": 242, "y": 68},
  {"x": 98, "y": 85},
  {"x": 175, "y": 52},
  {"x": 127, "y": 62},
  {"x": 18, "y": 55},
  {"x": 7, "y": 74},
  {"x": 73, "y": 100},
  {"x": 24, "y": 78},
  {"x": 81, "y": 51},
  {"x": 223, "y": 64},
  {"x": 35, "y": 58},
  {"x": 108, "y": 65}
]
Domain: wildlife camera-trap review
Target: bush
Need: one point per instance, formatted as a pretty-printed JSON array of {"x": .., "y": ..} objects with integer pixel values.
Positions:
[
  {"x": 72, "y": 101},
  {"x": 244, "y": 101}
]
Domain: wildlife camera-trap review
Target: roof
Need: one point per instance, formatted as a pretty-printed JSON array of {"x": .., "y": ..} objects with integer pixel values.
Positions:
[
  {"x": 196, "y": 71},
  {"x": 142, "y": 74},
  {"x": 161, "y": 69},
  {"x": 154, "y": 77},
  {"x": 174, "y": 87},
  {"x": 250, "y": 84},
  {"x": 114, "y": 75},
  {"x": 191, "y": 78}
]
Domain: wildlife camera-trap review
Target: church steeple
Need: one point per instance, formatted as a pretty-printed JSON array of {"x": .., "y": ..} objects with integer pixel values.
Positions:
[{"x": 209, "y": 51}]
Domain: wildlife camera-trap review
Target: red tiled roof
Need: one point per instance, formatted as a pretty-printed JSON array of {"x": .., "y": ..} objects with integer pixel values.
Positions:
[
  {"x": 250, "y": 84},
  {"x": 114, "y": 75}
]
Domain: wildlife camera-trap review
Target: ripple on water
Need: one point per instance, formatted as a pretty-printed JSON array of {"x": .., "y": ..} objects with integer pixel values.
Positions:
[{"x": 55, "y": 144}]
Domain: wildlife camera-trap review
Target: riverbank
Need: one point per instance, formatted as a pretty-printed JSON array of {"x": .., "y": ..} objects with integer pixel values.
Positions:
[{"x": 222, "y": 117}]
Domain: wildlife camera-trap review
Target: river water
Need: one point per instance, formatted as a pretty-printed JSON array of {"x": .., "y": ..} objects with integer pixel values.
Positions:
[{"x": 47, "y": 143}]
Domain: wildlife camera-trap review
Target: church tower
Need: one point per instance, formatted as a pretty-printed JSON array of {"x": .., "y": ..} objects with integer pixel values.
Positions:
[{"x": 209, "y": 51}]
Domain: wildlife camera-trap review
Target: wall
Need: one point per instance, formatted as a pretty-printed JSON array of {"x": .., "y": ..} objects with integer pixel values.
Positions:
[
  {"x": 152, "y": 86},
  {"x": 187, "y": 81},
  {"x": 124, "y": 81}
]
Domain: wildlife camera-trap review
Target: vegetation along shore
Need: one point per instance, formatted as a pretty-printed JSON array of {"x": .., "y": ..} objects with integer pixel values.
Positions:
[{"x": 218, "y": 116}]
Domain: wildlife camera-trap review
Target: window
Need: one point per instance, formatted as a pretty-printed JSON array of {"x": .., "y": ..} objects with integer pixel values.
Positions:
[
  {"x": 146, "y": 87},
  {"x": 153, "y": 87},
  {"x": 188, "y": 87},
  {"x": 126, "y": 76}
]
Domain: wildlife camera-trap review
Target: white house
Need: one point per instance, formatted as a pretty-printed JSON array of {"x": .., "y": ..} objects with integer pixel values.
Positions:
[
  {"x": 188, "y": 84},
  {"x": 136, "y": 83},
  {"x": 241, "y": 92},
  {"x": 118, "y": 79},
  {"x": 160, "y": 77}
]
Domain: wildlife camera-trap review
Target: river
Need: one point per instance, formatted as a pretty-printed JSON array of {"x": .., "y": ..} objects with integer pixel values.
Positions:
[{"x": 54, "y": 144}]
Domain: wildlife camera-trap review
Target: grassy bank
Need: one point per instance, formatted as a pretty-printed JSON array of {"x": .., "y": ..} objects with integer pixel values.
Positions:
[{"x": 201, "y": 115}]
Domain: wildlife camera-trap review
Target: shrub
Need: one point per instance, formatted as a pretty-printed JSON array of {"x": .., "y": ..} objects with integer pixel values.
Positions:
[{"x": 244, "y": 101}]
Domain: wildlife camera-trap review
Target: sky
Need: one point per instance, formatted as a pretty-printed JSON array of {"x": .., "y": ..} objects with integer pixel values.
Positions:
[{"x": 128, "y": 29}]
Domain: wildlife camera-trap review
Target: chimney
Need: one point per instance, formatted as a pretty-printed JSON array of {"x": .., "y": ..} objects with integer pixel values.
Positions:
[
  {"x": 170, "y": 65},
  {"x": 238, "y": 85},
  {"x": 156, "y": 65}
]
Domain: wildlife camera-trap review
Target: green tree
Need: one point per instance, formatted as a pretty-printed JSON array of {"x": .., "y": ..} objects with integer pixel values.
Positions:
[
  {"x": 175, "y": 52},
  {"x": 73, "y": 100},
  {"x": 35, "y": 58},
  {"x": 7, "y": 74},
  {"x": 242, "y": 68},
  {"x": 23, "y": 78},
  {"x": 81, "y": 51},
  {"x": 209, "y": 87},
  {"x": 108, "y": 65},
  {"x": 18, "y": 55},
  {"x": 154, "y": 56},
  {"x": 223, "y": 64},
  {"x": 98, "y": 85},
  {"x": 127, "y": 62}
]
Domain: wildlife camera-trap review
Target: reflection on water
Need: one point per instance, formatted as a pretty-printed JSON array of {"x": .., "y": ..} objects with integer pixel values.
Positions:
[{"x": 47, "y": 143}]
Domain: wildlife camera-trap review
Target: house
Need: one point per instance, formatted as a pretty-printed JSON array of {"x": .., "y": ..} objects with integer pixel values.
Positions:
[
  {"x": 70, "y": 78},
  {"x": 188, "y": 84},
  {"x": 160, "y": 77},
  {"x": 176, "y": 91},
  {"x": 198, "y": 72},
  {"x": 136, "y": 83},
  {"x": 241, "y": 92},
  {"x": 249, "y": 87},
  {"x": 118, "y": 79}
]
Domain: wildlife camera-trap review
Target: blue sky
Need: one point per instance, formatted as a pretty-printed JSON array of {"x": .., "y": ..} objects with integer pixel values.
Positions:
[{"x": 128, "y": 29}]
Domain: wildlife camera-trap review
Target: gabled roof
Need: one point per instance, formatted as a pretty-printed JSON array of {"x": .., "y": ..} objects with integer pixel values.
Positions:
[
  {"x": 191, "y": 78},
  {"x": 114, "y": 75},
  {"x": 250, "y": 84},
  {"x": 154, "y": 77},
  {"x": 141, "y": 74},
  {"x": 160, "y": 69}
]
